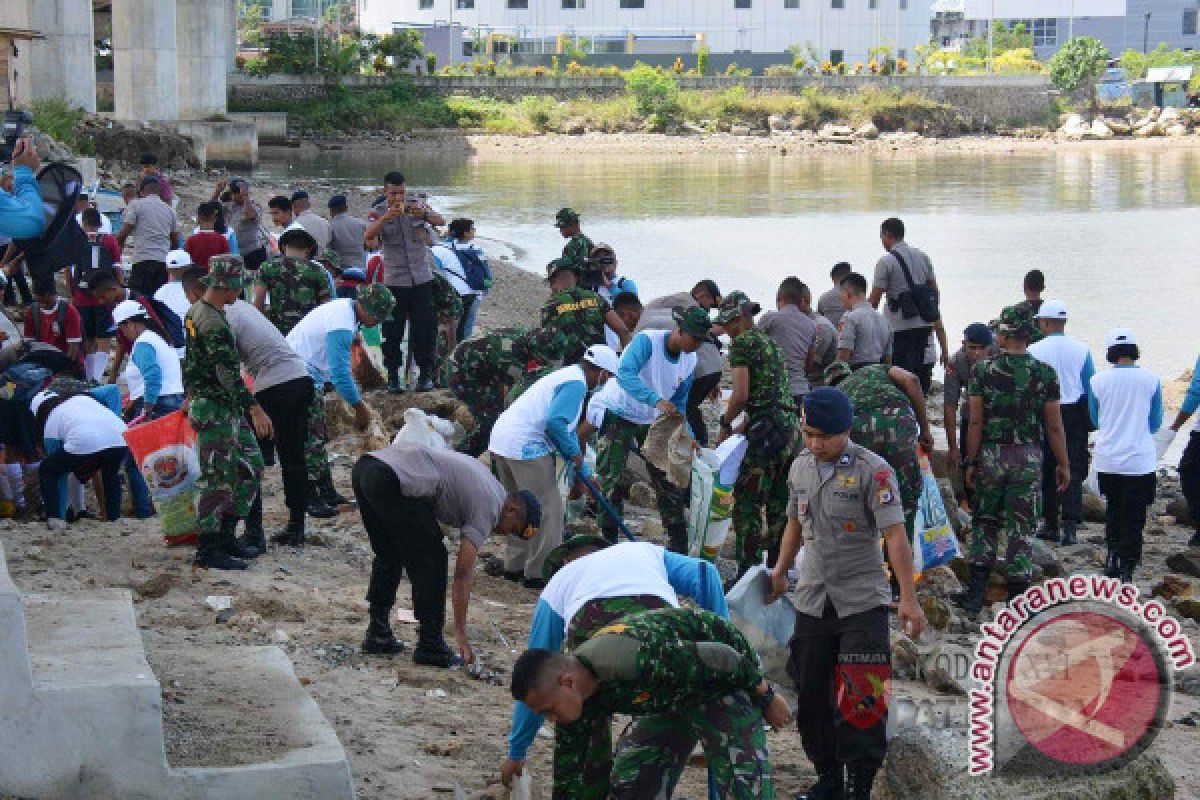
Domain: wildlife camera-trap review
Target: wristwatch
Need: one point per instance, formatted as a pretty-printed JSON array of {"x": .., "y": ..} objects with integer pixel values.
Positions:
[{"x": 763, "y": 701}]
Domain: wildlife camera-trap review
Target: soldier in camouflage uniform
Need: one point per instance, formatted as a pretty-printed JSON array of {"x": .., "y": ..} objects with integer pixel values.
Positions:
[
  {"x": 685, "y": 676},
  {"x": 448, "y": 308},
  {"x": 1013, "y": 403},
  {"x": 230, "y": 462},
  {"x": 289, "y": 286},
  {"x": 583, "y": 749},
  {"x": 577, "y": 314},
  {"x": 890, "y": 420},
  {"x": 761, "y": 389},
  {"x": 578, "y": 248},
  {"x": 482, "y": 370}
]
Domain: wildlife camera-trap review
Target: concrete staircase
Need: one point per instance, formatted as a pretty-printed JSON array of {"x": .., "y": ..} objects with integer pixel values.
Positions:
[{"x": 81, "y": 712}]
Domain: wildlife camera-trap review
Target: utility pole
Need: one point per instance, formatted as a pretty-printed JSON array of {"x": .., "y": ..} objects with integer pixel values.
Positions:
[{"x": 1146, "y": 34}]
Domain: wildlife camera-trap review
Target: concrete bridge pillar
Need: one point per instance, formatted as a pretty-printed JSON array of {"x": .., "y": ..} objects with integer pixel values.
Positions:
[
  {"x": 202, "y": 42},
  {"x": 144, "y": 60},
  {"x": 63, "y": 64}
]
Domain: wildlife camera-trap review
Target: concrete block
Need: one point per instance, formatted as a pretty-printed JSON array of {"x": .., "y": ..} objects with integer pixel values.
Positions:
[{"x": 230, "y": 144}]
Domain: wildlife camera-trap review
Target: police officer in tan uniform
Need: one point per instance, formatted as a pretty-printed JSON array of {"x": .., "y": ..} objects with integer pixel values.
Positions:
[{"x": 842, "y": 497}]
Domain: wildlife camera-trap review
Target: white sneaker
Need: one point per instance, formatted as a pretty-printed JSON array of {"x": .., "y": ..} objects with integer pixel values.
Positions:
[{"x": 56, "y": 524}]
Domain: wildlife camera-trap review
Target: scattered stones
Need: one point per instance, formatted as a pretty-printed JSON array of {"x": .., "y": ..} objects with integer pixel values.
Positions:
[
  {"x": 940, "y": 581},
  {"x": 937, "y": 611},
  {"x": 946, "y": 668},
  {"x": 1172, "y": 586},
  {"x": 280, "y": 636},
  {"x": 867, "y": 131},
  {"x": 1094, "y": 509},
  {"x": 904, "y": 656},
  {"x": 776, "y": 123},
  {"x": 1185, "y": 563},
  {"x": 641, "y": 494},
  {"x": 739, "y": 130},
  {"x": 157, "y": 587},
  {"x": 447, "y": 748},
  {"x": 1045, "y": 557},
  {"x": 1099, "y": 130},
  {"x": 1188, "y": 607}
]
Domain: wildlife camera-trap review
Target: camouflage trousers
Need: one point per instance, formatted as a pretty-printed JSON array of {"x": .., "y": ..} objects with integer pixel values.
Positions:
[
  {"x": 761, "y": 488},
  {"x": 618, "y": 436},
  {"x": 316, "y": 461},
  {"x": 230, "y": 464},
  {"x": 1009, "y": 503},
  {"x": 652, "y": 753},
  {"x": 484, "y": 396},
  {"x": 583, "y": 749},
  {"x": 893, "y": 437}
]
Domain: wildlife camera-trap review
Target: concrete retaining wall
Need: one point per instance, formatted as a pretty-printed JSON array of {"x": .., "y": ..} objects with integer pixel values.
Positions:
[
  {"x": 230, "y": 144},
  {"x": 983, "y": 101},
  {"x": 272, "y": 126}
]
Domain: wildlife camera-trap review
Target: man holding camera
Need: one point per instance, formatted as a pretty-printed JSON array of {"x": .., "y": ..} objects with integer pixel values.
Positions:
[
  {"x": 602, "y": 264},
  {"x": 21, "y": 212},
  {"x": 408, "y": 273}
]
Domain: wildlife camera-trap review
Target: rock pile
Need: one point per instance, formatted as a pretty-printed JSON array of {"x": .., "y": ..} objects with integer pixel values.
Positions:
[{"x": 1138, "y": 123}]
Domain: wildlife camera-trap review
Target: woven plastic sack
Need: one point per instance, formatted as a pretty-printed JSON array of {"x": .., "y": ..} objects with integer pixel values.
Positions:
[
  {"x": 165, "y": 452},
  {"x": 934, "y": 540}
]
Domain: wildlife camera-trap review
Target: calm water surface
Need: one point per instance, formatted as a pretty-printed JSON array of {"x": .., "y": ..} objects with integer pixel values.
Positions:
[{"x": 1115, "y": 232}]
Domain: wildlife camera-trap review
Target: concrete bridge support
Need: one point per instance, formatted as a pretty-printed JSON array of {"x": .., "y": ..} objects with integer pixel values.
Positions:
[
  {"x": 202, "y": 40},
  {"x": 144, "y": 60},
  {"x": 63, "y": 64}
]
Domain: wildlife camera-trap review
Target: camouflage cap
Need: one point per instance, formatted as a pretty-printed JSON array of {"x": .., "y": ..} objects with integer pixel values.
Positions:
[
  {"x": 693, "y": 321},
  {"x": 377, "y": 300},
  {"x": 558, "y": 265},
  {"x": 226, "y": 271},
  {"x": 837, "y": 372},
  {"x": 734, "y": 305},
  {"x": 1016, "y": 323},
  {"x": 565, "y": 216},
  {"x": 569, "y": 549}
]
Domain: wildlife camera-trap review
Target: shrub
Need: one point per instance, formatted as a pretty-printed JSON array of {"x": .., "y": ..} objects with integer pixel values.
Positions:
[
  {"x": 702, "y": 61},
  {"x": 655, "y": 95},
  {"x": 57, "y": 119},
  {"x": 1077, "y": 66},
  {"x": 430, "y": 63},
  {"x": 538, "y": 110}
]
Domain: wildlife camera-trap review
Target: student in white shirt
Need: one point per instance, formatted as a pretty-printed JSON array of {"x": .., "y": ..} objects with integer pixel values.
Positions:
[
  {"x": 157, "y": 363},
  {"x": 1127, "y": 409},
  {"x": 171, "y": 293}
]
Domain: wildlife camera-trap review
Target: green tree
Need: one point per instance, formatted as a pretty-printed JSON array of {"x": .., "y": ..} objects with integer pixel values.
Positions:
[
  {"x": 702, "y": 61},
  {"x": 1135, "y": 63},
  {"x": 655, "y": 94},
  {"x": 403, "y": 48},
  {"x": 1077, "y": 65},
  {"x": 577, "y": 50},
  {"x": 1003, "y": 40}
]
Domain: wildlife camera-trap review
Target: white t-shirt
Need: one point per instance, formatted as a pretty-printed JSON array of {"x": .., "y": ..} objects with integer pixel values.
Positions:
[
  {"x": 85, "y": 426},
  {"x": 628, "y": 568},
  {"x": 659, "y": 373},
  {"x": 520, "y": 432},
  {"x": 1068, "y": 358},
  {"x": 308, "y": 337},
  {"x": 1125, "y": 398},
  {"x": 168, "y": 363},
  {"x": 452, "y": 269},
  {"x": 172, "y": 295}
]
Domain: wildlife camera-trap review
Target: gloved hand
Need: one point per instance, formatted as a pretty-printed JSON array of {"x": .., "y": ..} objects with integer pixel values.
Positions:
[{"x": 1162, "y": 441}]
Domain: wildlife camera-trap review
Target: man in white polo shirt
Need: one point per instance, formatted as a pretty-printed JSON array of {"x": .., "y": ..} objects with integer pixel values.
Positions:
[{"x": 1073, "y": 364}]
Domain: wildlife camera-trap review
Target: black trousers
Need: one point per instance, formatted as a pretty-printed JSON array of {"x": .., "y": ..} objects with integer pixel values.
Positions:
[
  {"x": 107, "y": 462},
  {"x": 1069, "y": 504},
  {"x": 17, "y": 283},
  {"x": 414, "y": 305},
  {"x": 406, "y": 538},
  {"x": 287, "y": 405},
  {"x": 908, "y": 352},
  {"x": 1126, "y": 499},
  {"x": 1189, "y": 477},
  {"x": 840, "y": 667},
  {"x": 701, "y": 388},
  {"x": 148, "y": 277}
]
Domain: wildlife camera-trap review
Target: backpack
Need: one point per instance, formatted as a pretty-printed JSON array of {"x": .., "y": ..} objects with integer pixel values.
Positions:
[
  {"x": 22, "y": 381},
  {"x": 95, "y": 256},
  {"x": 476, "y": 272},
  {"x": 36, "y": 310},
  {"x": 172, "y": 325}
]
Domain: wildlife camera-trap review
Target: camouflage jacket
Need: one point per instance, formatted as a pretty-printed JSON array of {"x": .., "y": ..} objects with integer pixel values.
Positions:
[
  {"x": 769, "y": 385},
  {"x": 577, "y": 250},
  {"x": 295, "y": 286},
  {"x": 447, "y": 303},
  {"x": 872, "y": 391},
  {"x": 212, "y": 369},
  {"x": 657, "y": 662},
  {"x": 578, "y": 316},
  {"x": 1027, "y": 310},
  {"x": 1015, "y": 390}
]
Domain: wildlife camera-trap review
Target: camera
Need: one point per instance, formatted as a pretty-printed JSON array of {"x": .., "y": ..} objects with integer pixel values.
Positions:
[{"x": 12, "y": 128}]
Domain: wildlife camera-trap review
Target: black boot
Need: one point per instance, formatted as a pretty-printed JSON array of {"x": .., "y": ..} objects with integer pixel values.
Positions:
[
  {"x": 1112, "y": 565},
  {"x": 380, "y": 641},
  {"x": 859, "y": 783},
  {"x": 329, "y": 494},
  {"x": 1016, "y": 586},
  {"x": 432, "y": 652},
  {"x": 393, "y": 383},
  {"x": 1127, "y": 568},
  {"x": 830, "y": 785},
  {"x": 1070, "y": 529},
  {"x": 1195, "y": 540},
  {"x": 1048, "y": 533},
  {"x": 293, "y": 534},
  {"x": 210, "y": 554},
  {"x": 254, "y": 537},
  {"x": 424, "y": 383},
  {"x": 318, "y": 508},
  {"x": 971, "y": 599},
  {"x": 229, "y": 540}
]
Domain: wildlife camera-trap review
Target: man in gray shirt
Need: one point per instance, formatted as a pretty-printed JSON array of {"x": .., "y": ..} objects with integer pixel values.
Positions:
[
  {"x": 829, "y": 305},
  {"x": 347, "y": 234},
  {"x": 408, "y": 272},
  {"x": 310, "y": 220},
  {"x": 425, "y": 487},
  {"x": 285, "y": 391},
  {"x": 245, "y": 217},
  {"x": 794, "y": 332},
  {"x": 155, "y": 231},
  {"x": 910, "y": 334},
  {"x": 863, "y": 336}
]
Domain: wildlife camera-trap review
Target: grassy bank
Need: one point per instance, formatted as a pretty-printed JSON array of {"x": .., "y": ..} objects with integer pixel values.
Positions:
[{"x": 661, "y": 107}]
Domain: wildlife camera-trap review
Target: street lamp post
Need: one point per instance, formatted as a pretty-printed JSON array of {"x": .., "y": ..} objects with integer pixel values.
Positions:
[{"x": 1146, "y": 34}]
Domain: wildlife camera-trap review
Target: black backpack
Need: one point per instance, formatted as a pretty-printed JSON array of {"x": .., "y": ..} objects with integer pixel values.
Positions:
[
  {"x": 95, "y": 256},
  {"x": 172, "y": 325}
]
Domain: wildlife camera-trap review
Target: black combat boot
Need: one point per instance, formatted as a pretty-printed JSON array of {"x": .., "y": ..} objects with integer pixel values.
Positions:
[
  {"x": 1127, "y": 568},
  {"x": 1112, "y": 564},
  {"x": 318, "y": 507},
  {"x": 380, "y": 641},
  {"x": 859, "y": 783},
  {"x": 1048, "y": 533},
  {"x": 434, "y": 652},
  {"x": 424, "y": 383},
  {"x": 1070, "y": 530},
  {"x": 1195, "y": 540},
  {"x": 830, "y": 785},
  {"x": 971, "y": 599},
  {"x": 329, "y": 494},
  {"x": 211, "y": 554},
  {"x": 254, "y": 537},
  {"x": 1016, "y": 586},
  {"x": 293, "y": 534},
  {"x": 229, "y": 540}
]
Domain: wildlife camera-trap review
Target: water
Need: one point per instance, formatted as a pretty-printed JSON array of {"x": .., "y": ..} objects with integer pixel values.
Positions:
[{"x": 1114, "y": 231}]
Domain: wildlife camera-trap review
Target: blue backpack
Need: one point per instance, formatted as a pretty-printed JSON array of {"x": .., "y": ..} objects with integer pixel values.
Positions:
[
  {"x": 476, "y": 272},
  {"x": 22, "y": 381}
]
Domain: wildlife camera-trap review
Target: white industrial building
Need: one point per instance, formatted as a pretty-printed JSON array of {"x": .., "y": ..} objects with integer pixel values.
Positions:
[{"x": 838, "y": 30}]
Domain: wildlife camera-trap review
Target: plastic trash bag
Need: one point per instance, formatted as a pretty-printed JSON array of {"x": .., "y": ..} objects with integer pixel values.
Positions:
[
  {"x": 709, "y": 509},
  {"x": 1162, "y": 441},
  {"x": 165, "y": 452},
  {"x": 768, "y": 628},
  {"x": 934, "y": 540},
  {"x": 565, "y": 472},
  {"x": 422, "y": 428}
]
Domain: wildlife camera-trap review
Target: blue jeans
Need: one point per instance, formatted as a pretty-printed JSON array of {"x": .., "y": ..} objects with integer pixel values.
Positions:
[{"x": 467, "y": 326}]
